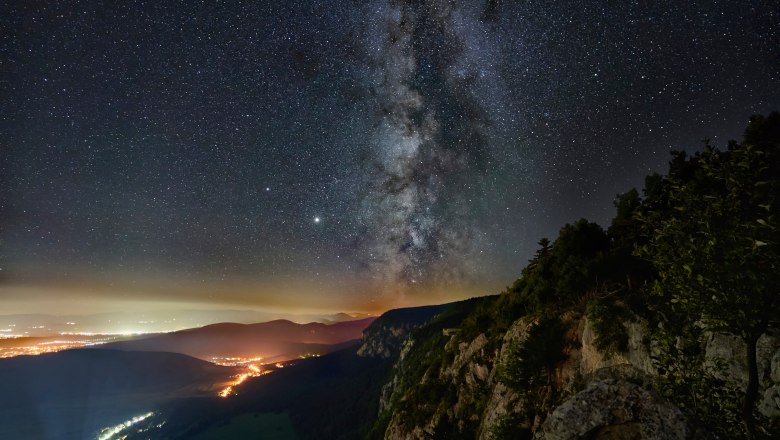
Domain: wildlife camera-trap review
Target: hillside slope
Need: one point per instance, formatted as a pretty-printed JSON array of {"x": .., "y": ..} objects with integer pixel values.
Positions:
[{"x": 74, "y": 393}]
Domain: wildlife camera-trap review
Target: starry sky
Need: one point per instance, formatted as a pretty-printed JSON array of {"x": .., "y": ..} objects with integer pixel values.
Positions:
[{"x": 340, "y": 154}]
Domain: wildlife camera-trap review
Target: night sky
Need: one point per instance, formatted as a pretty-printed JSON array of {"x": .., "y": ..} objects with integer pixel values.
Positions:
[{"x": 342, "y": 155}]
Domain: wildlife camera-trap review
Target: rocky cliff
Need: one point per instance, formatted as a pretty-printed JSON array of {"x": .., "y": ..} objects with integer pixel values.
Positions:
[
  {"x": 384, "y": 337},
  {"x": 448, "y": 382}
]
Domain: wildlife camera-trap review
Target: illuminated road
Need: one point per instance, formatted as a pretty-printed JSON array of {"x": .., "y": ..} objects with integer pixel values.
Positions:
[
  {"x": 252, "y": 371},
  {"x": 111, "y": 431}
]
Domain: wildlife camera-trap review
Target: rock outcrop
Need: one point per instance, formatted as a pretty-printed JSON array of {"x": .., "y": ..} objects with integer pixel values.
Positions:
[
  {"x": 385, "y": 336},
  {"x": 590, "y": 394},
  {"x": 725, "y": 358},
  {"x": 637, "y": 355},
  {"x": 616, "y": 409}
]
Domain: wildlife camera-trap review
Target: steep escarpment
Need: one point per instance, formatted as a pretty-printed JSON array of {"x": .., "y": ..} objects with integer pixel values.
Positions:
[
  {"x": 384, "y": 337},
  {"x": 661, "y": 325},
  {"x": 541, "y": 378}
]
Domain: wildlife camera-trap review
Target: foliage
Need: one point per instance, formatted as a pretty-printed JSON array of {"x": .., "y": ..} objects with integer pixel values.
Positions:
[
  {"x": 530, "y": 369},
  {"x": 512, "y": 426},
  {"x": 533, "y": 361},
  {"x": 697, "y": 251},
  {"x": 560, "y": 273},
  {"x": 608, "y": 318},
  {"x": 377, "y": 430},
  {"x": 712, "y": 234},
  {"x": 719, "y": 236},
  {"x": 679, "y": 357}
]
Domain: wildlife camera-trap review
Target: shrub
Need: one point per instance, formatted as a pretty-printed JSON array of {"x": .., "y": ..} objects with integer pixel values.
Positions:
[{"x": 608, "y": 319}]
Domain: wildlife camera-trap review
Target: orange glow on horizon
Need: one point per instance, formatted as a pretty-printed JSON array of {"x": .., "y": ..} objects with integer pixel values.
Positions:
[{"x": 108, "y": 292}]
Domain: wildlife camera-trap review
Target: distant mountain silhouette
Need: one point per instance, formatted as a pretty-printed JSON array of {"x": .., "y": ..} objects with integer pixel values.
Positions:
[
  {"x": 335, "y": 396},
  {"x": 74, "y": 393},
  {"x": 274, "y": 340},
  {"x": 341, "y": 317},
  {"x": 153, "y": 321}
]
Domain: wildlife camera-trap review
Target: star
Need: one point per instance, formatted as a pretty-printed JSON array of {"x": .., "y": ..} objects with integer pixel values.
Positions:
[{"x": 437, "y": 133}]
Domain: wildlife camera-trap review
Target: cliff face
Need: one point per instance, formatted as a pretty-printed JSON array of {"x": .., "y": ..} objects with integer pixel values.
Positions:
[
  {"x": 448, "y": 384},
  {"x": 384, "y": 337},
  {"x": 487, "y": 404}
]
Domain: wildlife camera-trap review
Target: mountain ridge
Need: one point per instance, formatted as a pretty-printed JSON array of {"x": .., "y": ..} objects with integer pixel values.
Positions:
[{"x": 275, "y": 340}]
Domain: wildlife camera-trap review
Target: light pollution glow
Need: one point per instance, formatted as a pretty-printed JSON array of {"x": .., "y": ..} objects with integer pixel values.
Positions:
[
  {"x": 115, "y": 293},
  {"x": 252, "y": 371}
]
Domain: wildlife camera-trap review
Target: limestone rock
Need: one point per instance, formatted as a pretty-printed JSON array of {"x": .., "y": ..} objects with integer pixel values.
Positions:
[
  {"x": 467, "y": 351},
  {"x": 612, "y": 409},
  {"x": 504, "y": 400},
  {"x": 385, "y": 336},
  {"x": 769, "y": 405},
  {"x": 384, "y": 341},
  {"x": 774, "y": 369},
  {"x": 637, "y": 355},
  {"x": 390, "y": 388},
  {"x": 725, "y": 358}
]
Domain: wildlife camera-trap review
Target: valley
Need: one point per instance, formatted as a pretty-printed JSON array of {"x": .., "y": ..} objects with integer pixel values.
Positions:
[{"x": 103, "y": 385}]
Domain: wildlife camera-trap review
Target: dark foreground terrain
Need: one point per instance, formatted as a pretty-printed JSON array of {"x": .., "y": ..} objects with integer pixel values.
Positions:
[{"x": 73, "y": 394}]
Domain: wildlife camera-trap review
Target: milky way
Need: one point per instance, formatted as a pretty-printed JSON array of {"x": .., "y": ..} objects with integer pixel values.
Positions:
[
  {"x": 429, "y": 140},
  {"x": 342, "y": 153}
]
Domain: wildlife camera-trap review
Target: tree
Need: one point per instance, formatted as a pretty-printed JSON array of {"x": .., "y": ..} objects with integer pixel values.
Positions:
[
  {"x": 714, "y": 241},
  {"x": 579, "y": 256}
]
